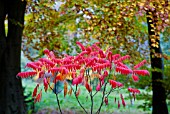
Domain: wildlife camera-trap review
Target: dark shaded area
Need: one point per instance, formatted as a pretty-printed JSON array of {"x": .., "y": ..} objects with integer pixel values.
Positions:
[
  {"x": 11, "y": 97},
  {"x": 159, "y": 97}
]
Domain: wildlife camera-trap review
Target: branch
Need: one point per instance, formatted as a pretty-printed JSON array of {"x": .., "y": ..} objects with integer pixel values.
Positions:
[
  {"x": 58, "y": 102},
  {"x": 91, "y": 94},
  {"x": 95, "y": 93},
  {"x": 98, "y": 111},
  {"x": 81, "y": 105},
  {"x": 110, "y": 91},
  {"x": 78, "y": 99}
]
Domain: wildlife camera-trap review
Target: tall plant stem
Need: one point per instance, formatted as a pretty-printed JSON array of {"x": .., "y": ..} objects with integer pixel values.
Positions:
[
  {"x": 98, "y": 111},
  {"x": 110, "y": 92},
  {"x": 58, "y": 102},
  {"x": 91, "y": 96},
  {"x": 91, "y": 93},
  {"x": 81, "y": 105},
  {"x": 79, "y": 101}
]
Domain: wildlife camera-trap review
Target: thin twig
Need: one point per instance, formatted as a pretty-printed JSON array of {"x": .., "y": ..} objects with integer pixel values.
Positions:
[
  {"x": 58, "y": 102},
  {"x": 50, "y": 86},
  {"x": 110, "y": 91},
  {"x": 98, "y": 111},
  {"x": 81, "y": 105},
  {"x": 78, "y": 99},
  {"x": 75, "y": 90},
  {"x": 95, "y": 93},
  {"x": 91, "y": 94}
]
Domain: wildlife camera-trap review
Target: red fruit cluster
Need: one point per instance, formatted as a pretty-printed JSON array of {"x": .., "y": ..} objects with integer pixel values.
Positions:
[
  {"x": 78, "y": 69},
  {"x": 132, "y": 90},
  {"x": 115, "y": 84}
]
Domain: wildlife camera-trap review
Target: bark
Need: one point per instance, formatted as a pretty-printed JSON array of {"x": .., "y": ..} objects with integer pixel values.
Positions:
[
  {"x": 159, "y": 97},
  {"x": 11, "y": 97},
  {"x": 2, "y": 47}
]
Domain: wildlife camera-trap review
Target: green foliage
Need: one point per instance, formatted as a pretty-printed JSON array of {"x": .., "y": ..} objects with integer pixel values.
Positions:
[
  {"x": 146, "y": 97},
  {"x": 121, "y": 24},
  {"x": 28, "y": 100},
  {"x": 167, "y": 78},
  {"x": 166, "y": 55}
]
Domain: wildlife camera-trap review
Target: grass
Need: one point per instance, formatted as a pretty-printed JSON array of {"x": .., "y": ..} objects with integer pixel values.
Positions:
[{"x": 49, "y": 102}]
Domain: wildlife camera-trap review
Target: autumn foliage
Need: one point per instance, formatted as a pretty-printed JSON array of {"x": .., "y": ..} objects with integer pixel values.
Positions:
[{"x": 91, "y": 63}]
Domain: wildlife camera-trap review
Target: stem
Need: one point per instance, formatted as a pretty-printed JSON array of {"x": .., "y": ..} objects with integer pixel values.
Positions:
[
  {"x": 91, "y": 102},
  {"x": 81, "y": 105},
  {"x": 98, "y": 111},
  {"x": 57, "y": 100},
  {"x": 56, "y": 97},
  {"x": 58, "y": 103},
  {"x": 110, "y": 91},
  {"x": 91, "y": 93},
  {"x": 95, "y": 93},
  {"x": 78, "y": 99}
]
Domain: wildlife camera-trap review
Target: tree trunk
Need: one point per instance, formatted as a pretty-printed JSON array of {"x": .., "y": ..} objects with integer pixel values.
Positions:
[
  {"x": 159, "y": 98},
  {"x": 11, "y": 97}
]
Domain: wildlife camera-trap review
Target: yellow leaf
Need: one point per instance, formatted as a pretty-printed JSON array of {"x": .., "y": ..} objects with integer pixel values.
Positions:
[
  {"x": 121, "y": 44},
  {"x": 141, "y": 4},
  {"x": 153, "y": 45},
  {"x": 114, "y": 28},
  {"x": 152, "y": 40},
  {"x": 109, "y": 29},
  {"x": 150, "y": 13},
  {"x": 167, "y": 20},
  {"x": 152, "y": 29},
  {"x": 156, "y": 46},
  {"x": 152, "y": 25},
  {"x": 35, "y": 78},
  {"x": 52, "y": 85},
  {"x": 69, "y": 76},
  {"x": 150, "y": 20}
]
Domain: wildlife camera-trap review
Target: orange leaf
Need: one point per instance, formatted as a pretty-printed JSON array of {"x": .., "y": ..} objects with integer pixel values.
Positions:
[
  {"x": 59, "y": 77},
  {"x": 114, "y": 77},
  {"x": 70, "y": 91},
  {"x": 65, "y": 88}
]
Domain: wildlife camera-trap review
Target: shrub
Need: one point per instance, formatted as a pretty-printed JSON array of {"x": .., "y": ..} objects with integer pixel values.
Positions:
[{"x": 91, "y": 63}]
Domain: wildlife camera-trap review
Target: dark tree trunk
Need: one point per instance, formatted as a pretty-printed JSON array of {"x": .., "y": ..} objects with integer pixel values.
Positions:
[
  {"x": 159, "y": 96},
  {"x": 11, "y": 92}
]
